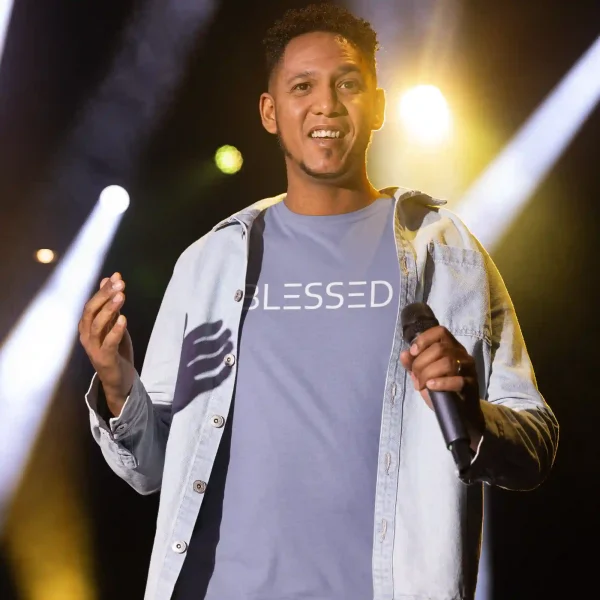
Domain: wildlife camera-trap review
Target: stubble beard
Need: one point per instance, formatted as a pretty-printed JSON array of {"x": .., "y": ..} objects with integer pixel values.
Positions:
[{"x": 306, "y": 169}]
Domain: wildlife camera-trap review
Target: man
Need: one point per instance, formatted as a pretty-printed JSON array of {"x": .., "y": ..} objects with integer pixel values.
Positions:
[{"x": 279, "y": 412}]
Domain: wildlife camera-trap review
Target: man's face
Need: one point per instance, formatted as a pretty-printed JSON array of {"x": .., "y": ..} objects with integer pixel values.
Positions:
[{"x": 323, "y": 104}]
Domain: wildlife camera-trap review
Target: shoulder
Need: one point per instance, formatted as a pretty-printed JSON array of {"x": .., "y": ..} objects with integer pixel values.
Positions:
[
  {"x": 243, "y": 218},
  {"x": 425, "y": 220},
  {"x": 457, "y": 233}
]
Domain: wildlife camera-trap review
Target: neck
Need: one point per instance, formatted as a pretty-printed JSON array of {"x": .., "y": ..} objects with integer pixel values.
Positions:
[{"x": 309, "y": 196}]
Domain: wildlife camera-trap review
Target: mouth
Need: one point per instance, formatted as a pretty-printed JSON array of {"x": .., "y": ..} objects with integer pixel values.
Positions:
[{"x": 326, "y": 133}]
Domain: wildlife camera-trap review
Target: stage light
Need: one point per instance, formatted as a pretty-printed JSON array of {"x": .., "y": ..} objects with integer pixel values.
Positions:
[
  {"x": 60, "y": 565},
  {"x": 114, "y": 199},
  {"x": 34, "y": 355},
  {"x": 45, "y": 256},
  {"x": 229, "y": 159},
  {"x": 425, "y": 114},
  {"x": 494, "y": 201},
  {"x": 5, "y": 12}
]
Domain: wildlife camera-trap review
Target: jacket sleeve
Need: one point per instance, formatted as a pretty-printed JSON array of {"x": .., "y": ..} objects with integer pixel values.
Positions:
[
  {"x": 521, "y": 432},
  {"x": 134, "y": 443}
]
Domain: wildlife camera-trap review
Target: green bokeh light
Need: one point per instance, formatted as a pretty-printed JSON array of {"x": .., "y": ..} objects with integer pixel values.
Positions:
[{"x": 229, "y": 159}]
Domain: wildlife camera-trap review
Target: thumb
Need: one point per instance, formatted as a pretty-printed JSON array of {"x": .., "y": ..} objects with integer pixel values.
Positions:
[
  {"x": 427, "y": 398},
  {"x": 414, "y": 379}
]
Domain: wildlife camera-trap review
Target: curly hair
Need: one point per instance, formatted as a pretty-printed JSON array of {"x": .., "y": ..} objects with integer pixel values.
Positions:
[{"x": 320, "y": 17}]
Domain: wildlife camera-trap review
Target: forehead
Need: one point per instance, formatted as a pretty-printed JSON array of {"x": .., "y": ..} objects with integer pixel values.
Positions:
[{"x": 319, "y": 52}]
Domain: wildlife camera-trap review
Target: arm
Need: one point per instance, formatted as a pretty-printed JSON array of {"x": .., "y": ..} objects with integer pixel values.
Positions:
[
  {"x": 134, "y": 442},
  {"x": 520, "y": 434}
]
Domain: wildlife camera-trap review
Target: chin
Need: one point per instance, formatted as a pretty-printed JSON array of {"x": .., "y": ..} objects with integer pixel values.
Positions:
[{"x": 330, "y": 173}]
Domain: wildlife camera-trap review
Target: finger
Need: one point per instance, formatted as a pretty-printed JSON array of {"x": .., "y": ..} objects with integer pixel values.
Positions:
[
  {"x": 446, "y": 366},
  {"x": 447, "y": 384},
  {"x": 430, "y": 355},
  {"x": 106, "y": 318},
  {"x": 98, "y": 300},
  {"x": 114, "y": 278},
  {"x": 93, "y": 305},
  {"x": 429, "y": 337},
  {"x": 115, "y": 335},
  {"x": 407, "y": 360}
]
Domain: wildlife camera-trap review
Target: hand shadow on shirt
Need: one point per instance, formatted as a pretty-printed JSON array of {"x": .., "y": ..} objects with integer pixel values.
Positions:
[
  {"x": 202, "y": 353},
  {"x": 200, "y": 559}
]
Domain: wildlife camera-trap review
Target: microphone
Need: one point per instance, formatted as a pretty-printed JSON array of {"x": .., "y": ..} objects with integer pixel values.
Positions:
[{"x": 417, "y": 318}]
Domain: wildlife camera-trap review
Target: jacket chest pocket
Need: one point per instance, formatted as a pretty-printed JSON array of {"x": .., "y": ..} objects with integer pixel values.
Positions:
[{"x": 456, "y": 288}]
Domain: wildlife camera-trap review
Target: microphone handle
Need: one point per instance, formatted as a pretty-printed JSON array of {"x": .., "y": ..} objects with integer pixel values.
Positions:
[{"x": 445, "y": 406}]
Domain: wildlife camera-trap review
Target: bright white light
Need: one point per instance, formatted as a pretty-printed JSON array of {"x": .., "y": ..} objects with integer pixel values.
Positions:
[
  {"x": 425, "y": 114},
  {"x": 36, "y": 351},
  {"x": 497, "y": 197},
  {"x": 5, "y": 12},
  {"x": 44, "y": 255},
  {"x": 114, "y": 199}
]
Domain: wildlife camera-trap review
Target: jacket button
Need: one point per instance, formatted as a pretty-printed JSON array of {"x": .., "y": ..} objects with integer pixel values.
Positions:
[
  {"x": 229, "y": 360},
  {"x": 199, "y": 486},
  {"x": 179, "y": 547},
  {"x": 238, "y": 295},
  {"x": 217, "y": 421}
]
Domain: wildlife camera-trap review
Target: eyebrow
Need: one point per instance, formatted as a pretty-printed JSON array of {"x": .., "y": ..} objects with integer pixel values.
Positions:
[
  {"x": 343, "y": 70},
  {"x": 300, "y": 75}
]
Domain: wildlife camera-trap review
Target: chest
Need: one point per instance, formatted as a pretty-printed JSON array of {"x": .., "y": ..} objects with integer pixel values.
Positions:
[{"x": 313, "y": 273}]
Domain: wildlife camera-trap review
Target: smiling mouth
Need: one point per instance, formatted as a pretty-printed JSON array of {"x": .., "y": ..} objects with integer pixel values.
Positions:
[{"x": 326, "y": 134}]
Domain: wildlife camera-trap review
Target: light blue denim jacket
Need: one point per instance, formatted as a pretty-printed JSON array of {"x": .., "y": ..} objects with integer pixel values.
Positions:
[{"x": 427, "y": 522}]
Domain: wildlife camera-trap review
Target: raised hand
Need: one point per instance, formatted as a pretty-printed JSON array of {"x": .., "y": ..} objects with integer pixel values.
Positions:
[{"x": 104, "y": 336}]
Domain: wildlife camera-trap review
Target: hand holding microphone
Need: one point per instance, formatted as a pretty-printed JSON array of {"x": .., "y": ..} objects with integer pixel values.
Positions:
[{"x": 445, "y": 374}]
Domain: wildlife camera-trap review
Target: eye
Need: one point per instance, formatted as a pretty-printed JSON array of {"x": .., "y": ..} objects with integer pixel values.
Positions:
[
  {"x": 351, "y": 85},
  {"x": 301, "y": 87}
]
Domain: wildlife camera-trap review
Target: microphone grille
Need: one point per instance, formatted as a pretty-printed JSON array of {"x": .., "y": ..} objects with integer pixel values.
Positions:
[{"x": 416, "y": 318}]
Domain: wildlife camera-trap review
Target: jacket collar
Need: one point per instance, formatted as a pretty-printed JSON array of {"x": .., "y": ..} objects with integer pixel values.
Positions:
[{"x": 247, "y": 215}]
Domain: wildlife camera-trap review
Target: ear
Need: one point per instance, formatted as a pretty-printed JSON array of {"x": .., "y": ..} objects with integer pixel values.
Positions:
[
  {"x": 266, "y": 106},
  {"x": 379, "y": 109}
]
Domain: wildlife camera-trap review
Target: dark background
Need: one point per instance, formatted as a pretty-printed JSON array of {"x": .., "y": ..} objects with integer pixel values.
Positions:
[{"x": 508, "y": 56}]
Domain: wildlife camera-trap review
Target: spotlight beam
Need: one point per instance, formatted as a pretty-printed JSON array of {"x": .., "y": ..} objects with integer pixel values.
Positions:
[
  {"x": 36, "y": 351},
  {"x": 105, "y": 143},
  {"x": 5, "y": 13},
  {"x": 492, "y": 203},
  {"x": 112, "y": 129}
]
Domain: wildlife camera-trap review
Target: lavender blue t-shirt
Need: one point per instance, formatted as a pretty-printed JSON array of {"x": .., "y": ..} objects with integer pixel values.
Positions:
[{"x": 289, "y": 509}]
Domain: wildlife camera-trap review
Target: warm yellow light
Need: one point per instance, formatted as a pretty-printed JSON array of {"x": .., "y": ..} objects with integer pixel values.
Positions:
[
  {"x": 425, "y": 114},
  {"x": 45, "y": 256},
  {"x": 229, "y": 159},
  {"x": 47, "y": 534}
]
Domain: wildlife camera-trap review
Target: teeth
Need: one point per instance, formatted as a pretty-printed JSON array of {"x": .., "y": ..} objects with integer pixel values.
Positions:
[{"x": 323, "y": 133}]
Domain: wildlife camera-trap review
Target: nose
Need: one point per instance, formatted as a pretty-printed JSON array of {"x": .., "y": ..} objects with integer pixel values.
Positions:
[{"x": 326, "y": 102}]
